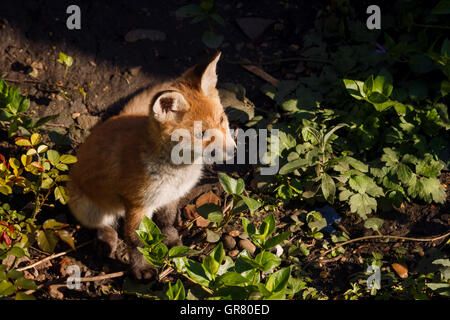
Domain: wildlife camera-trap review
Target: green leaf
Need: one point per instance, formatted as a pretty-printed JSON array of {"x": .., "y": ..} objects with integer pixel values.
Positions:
[
  {"x": 328, "y": 187},
  {"x": 267, "y": 226},
  {"x": 231, "y": 278},
  {"x": 443, "y": 7},
  {"x": 278, "y": 281},
  {"x": 52, "y": 224},
  {"x": 25, "y": 283},
  {"x": 47, "y": 240},
  {"x": 24, "y": 296},
  {"x": 432, "y": 190},
  {"x": 268, "y": 260},
  {"x": 404, "y": 173},
  {"x": 249, "y": 228},
  {"x": 252, "y": 204},
  {"x": 362, "y": 204},
  {"x": 67, "y": 159},
  {"x": 440, "y": 288},
  {"x": 364, "y": 184},
  {"x": 61, "y": 194},
  {"x": 16, "y": 252},
  {"x": 272, "y": 242},
  {"x": 355, "y": 88},
  {"x": 212, "y": 39},
  {"x": 228, "y": 184},
  {"x": 293, "y": 165},
  {"x": 211, "y": 236},
  {"x": 445, "y": 88},
  {"x": 6, "y": 288},
  {"x": 190, "y": 10},
  {"x": 211, "y": 211},
  {"x": 53, "y": 156},
  {"x": 373, "y": 223},
  {"x": 181, "y": 251},
  {"x": 176, "y": 292},
  {"x": 65, "y": 236}
]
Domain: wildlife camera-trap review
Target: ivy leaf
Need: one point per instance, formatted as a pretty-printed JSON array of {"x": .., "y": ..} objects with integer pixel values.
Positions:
[
  {"x": 47, "y": 240},
  {"x": 374, "y": 223},
  {"x": 65, "y": 236},
  {"x": 362, "y": 204}
]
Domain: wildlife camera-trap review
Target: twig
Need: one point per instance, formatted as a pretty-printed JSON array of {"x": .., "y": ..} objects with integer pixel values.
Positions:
[
  {"x": 53, "y": 256},
  {"x": 88, "y": 279},
  {"x": 385, "y": 237},
  {"x": 103, "y": 277},
  {"x": 261, "y": 73},
  {"x": 165, "y": 273}
]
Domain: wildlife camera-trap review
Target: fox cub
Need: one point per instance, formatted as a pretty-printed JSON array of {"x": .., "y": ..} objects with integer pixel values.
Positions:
[{"x": 125, "y": 167}]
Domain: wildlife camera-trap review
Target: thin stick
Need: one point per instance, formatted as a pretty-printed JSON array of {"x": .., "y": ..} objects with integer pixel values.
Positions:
[
  {"x": 104, "y": 277},
  {"x": 53, "y": 256},
  {"x": 385, "y": 237},
  {"x": 261, "y": 73},
  {"x": 88, "y": 279}
]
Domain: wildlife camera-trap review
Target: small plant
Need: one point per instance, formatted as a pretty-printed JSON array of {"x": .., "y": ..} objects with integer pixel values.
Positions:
[
  {"x": 66, "y": 61},
  {"x": 219, "y": 276},
  {"x": 206, "y": 10},
  {"x": 13, "y": 109}
]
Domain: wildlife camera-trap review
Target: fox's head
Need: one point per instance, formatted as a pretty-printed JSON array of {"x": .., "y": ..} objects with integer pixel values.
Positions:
[{"x": 190, "y": 112}]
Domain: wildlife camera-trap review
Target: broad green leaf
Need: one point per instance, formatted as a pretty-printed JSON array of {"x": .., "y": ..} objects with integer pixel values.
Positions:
[
  {"x": 252, "y": 204},
  {"x": 278, "y": 281},
  {"x": 181, "y": 251},
  {"x": 67, "y": 159},
  {"x": 47, "y": 240},
  {"x": 373, "y": 223},
  {"x": 65, "y": 236},
  {"x": 52, "y": 224},
  {"x": 293, "y": 165},
  {"x": 211, "y": 236},
  {"x": 61, "y": 194},
  {"x": 272, "y": 242},
  {"x": 355, "y": 88},
  {"x": 443, "y": 7},
  {"x": 228, "y": 184},
  {"x": 53, "y": 156},
  {"x": 211, "y": 211},
  {"x": 328, "y": 187},
  {"x": 362, "y": 204}
]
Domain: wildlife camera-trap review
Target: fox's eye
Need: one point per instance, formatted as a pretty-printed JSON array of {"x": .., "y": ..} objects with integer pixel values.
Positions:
[{"x": 222, "y": 118}]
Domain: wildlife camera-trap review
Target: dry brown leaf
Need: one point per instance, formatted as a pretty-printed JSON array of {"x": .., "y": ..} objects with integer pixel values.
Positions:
[
  {"x": 401, "y": 270},
  {"x": 189, "y": 212},
  {"x": 208, "y": 197}
]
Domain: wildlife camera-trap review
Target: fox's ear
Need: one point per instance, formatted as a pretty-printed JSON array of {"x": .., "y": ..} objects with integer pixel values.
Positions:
[
  {"x": 170, "y": 105},
  {"x": 204, "y": 75}
]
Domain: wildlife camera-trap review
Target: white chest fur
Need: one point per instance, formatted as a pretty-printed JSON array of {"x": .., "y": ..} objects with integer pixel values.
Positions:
[{"x": 169, "y": 183}]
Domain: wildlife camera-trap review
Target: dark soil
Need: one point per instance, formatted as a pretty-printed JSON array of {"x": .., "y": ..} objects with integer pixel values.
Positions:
[{"x": 111, "y": 70}]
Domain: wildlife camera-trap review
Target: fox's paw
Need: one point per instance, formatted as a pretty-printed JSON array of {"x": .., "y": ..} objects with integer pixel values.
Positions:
[
  {"x": 173, "y": 238},
  {"x": 139, "y": 267},
  {"x": 107, "y": 240}
]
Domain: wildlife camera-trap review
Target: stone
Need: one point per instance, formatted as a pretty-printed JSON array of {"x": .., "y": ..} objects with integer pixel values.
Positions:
[
  {"x": 228, "y": 242},
  {"x": 87, "y": 122},
  {"x": 247, "y": 244},
  {"x": 254, "y": 27},
  {"x": 233, "y": 253}
]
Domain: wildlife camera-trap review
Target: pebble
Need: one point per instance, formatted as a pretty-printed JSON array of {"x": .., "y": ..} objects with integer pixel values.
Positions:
[
  {"x": 234, "y": 233},
  {"x": 247, "y": 244},
  {"x": 228, "y": 242},
  {"x": 233, "y": 253}
]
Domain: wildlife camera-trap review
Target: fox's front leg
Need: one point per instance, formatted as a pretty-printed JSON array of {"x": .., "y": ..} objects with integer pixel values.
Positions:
[
  {"x": 139, "y": 266},
  {"x": 165, "y": 219}
]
